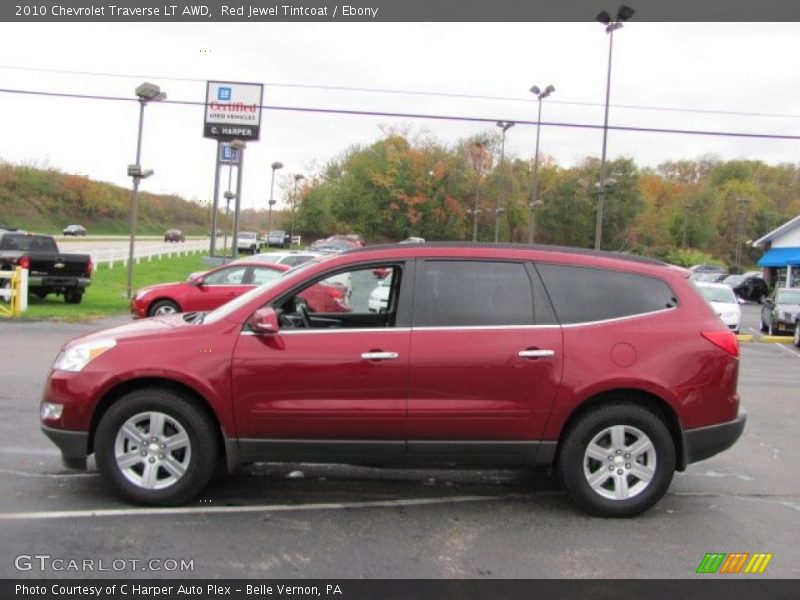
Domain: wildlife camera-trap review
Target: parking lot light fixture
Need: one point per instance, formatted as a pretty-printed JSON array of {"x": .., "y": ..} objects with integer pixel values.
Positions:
[
  {"x": 477, "y": 162},
  {"x": 275, "y": 166},
  {"x": 146, "y": 92},
  {"x": 624, "y": 13},
  {"x": 535, "y": 202}
]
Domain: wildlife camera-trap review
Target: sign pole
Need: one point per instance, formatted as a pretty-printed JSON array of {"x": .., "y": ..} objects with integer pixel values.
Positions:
[
  {"x": 238, "y": 205},
  {"x": 215, "y": 210}
]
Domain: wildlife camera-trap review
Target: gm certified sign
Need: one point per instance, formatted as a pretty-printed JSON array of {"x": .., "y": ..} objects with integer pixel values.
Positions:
[{"x": 233, "y": 110}]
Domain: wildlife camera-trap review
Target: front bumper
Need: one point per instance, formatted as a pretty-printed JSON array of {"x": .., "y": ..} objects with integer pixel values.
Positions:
[
  {"x": 704, "y": 442},
  {"x": 74, "y": 446}
]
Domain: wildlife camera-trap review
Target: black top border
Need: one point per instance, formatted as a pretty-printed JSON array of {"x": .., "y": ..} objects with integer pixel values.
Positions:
[{"x": 349, "y": 11}]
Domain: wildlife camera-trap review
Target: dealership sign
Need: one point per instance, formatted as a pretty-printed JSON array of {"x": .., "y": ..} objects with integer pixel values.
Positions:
[{"x": 233, "y": 110}]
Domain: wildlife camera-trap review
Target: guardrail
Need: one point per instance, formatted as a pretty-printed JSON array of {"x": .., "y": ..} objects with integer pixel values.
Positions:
[
  {"x": 14, "y": 291},
  {"x": 146, "y": 252}
]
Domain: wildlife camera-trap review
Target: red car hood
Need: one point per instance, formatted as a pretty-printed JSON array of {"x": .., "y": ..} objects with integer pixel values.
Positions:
[{"x": 134, "y": 329}]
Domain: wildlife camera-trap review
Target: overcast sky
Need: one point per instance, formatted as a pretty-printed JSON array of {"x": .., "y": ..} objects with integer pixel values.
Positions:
[{"x": 729, "y": 67}]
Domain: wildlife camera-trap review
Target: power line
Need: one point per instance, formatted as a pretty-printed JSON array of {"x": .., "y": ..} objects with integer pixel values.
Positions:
[
  {"x": 415, "y": 93},
  {"x": 433, "y": 117}
]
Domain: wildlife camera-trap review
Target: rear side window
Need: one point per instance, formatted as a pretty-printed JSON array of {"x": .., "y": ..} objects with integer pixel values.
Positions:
[
  {"x": 473, "y": 293},
  {"x": 585, "y": 294}
]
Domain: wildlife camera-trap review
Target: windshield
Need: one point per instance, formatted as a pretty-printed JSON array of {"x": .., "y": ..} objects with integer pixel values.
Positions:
[
  {"x": 234, "y": 305},
  {"x": 715, "y": 294},
  {"x": 733, "y": 279},
  {"x": 246, "y": 234},
  {"x": 788, "y": 297}
]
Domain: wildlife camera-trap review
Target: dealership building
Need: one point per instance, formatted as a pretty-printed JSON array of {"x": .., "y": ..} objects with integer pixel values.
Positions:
[{"x": 781, "y": 260}]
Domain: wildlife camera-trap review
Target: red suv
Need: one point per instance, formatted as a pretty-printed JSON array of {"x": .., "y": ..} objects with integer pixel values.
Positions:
[{"x": 611, "y": 368}]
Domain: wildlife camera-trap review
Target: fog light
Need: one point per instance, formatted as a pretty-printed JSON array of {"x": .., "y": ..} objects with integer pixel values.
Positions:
[{"x": 51, "y": 411}]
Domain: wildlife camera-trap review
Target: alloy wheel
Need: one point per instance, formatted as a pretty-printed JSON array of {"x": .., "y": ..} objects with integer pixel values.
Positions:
[{"x": 619, "y": 462}]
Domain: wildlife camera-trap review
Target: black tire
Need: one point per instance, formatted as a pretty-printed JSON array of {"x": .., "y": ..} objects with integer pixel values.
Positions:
[
  {"x": 572, "y": 455},
  {"x": 162, "y": 308},
  {"x": 73, "y": 297},
  {"x": 763, "y": 326},
  {"x": 41, "y": 294},
  {"x": 203, "y": 443}
]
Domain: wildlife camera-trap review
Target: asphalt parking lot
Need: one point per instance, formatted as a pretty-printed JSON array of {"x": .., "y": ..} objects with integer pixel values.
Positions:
[{"x": 312, "y": 521}]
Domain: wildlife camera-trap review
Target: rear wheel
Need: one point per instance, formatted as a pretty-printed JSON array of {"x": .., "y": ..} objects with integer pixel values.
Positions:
[
  {"x": 156, "y": 447},
  {"x": 617, "y": 460},
  {"x": 73, "y": 297}
]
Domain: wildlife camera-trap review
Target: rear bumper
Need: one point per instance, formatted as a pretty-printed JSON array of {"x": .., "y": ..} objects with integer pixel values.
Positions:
[
  {"x": 704, "y": 442},
  {"x": 74, "y": 446},
  {"x": 58, "y": 282}
]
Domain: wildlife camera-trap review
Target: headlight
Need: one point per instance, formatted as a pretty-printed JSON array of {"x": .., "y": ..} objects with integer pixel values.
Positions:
[
  {"x": 787, "y": 316},
  {"x": 140, "y": 294},
  {"x": 77, "y": 357}
]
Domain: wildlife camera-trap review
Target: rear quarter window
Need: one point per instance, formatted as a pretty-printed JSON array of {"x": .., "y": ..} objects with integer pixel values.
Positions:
[{"x": 587, "y": 294}]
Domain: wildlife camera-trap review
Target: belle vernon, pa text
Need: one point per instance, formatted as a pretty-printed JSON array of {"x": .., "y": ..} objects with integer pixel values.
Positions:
[{"x": 155, "y": 591}]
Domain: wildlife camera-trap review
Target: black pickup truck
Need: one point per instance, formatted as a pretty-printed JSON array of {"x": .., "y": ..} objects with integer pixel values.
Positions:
[{"x": 49, "y": 271}]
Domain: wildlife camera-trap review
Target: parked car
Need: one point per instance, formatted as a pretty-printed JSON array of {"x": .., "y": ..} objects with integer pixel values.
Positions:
[
  {"x": 413, "y": 240},
  {"x": 279, "y": 238},
  {"x": 50, "y": 271},
  {"x": 611, "y": 369},
  {"x": 781, "y": 311},
  {"x": 174, "y": 235},
  {"x": 748, "y": 287},
  {"x": 379, "y": 298},
  {"x": 205, "y": 292},
  {"x": 75, "y": 230},
  {"x": 338, "y": 243},
  {"x": 249, "y": 242},
  {"x": 291, "y": 259},
  {"x": 723, "y": 301}
]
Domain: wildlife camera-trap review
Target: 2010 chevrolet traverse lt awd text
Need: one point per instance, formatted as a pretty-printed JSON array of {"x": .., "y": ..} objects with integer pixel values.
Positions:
[{"x": 613, "y": 369}]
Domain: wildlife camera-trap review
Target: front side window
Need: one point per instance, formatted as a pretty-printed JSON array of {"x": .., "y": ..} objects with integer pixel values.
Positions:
[
  {"x": 586, "y": 294},
  {"x": 230, "y": 276},
  {"x": 358, "y": 298},
  {"x": 473, "y": 293}
]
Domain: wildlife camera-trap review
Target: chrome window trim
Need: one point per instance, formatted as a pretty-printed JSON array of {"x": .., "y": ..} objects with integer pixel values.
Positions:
[{"x": 461, "y": 327}]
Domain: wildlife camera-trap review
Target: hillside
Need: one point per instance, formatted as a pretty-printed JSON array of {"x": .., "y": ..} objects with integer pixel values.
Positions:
[{"x": 47, "y": 200}]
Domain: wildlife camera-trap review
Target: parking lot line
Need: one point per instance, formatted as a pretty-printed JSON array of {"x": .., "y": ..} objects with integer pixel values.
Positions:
[
  {"x": 123, "y": 512},
  {"x": 789, "y": 350}
]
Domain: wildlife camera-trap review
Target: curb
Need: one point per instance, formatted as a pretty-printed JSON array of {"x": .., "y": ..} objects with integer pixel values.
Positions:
[{"x": 768, "y": 339}]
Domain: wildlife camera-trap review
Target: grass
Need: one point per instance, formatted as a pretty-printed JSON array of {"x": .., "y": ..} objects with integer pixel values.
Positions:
[{"x": 107, "y": 294}]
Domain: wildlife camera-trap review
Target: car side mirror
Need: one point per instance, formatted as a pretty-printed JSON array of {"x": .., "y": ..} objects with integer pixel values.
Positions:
[
  {"x": 741, "y": 300},
  {"x": 264, "y": 320},
  {"x": 198, "y": 281}
]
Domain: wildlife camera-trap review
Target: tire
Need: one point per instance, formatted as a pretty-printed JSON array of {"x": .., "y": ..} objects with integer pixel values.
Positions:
[
  {"x": 760, "y": 298},
  {"x": 41, "y": 294},
  {"x": 763, "y": 326},
  {"x": 162, "y": 476},
  {"x": 617, "y": 494},
  {"x": 797, "y": 334},
  {"x": 163, "y": 308},
  {"x": 770, "y": 328},
  {"x": 73, "y": 297}
]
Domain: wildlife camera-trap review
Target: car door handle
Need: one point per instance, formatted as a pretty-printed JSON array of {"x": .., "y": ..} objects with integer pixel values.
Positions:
[
  {"x": 536, "y": 353},
  {"x": 379, "y": 355}
]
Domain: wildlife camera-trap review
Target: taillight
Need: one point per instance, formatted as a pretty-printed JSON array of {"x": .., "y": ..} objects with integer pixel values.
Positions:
[
  {"x": 725, "y": 340},
  {"x": 24, "y": 262},
  {"x": 89, "y": 267}
]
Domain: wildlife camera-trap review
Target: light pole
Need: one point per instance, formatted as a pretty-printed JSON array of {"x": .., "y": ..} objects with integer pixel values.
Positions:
[
  {"x": 297, "y": 178},
  {"x": 229, "y": 195},
  {"x": 535, "y": 202},
  {"x": 146, "y": 92},
  {"x": 478, "y": 164},
  {"x": 623, "y": 14},
  {"x": 275, "y": 166},
  {"x": 504, "y": 126}
]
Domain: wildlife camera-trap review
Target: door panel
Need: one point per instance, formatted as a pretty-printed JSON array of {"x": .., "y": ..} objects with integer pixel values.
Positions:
[
  {"x": 471, "y": 384},
  {"x": 316, "y": 385}
]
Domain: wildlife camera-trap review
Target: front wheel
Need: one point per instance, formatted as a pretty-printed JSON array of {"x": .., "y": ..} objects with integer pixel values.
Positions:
[
  {"x": 617, "y": 460},
  {"x": 156, "y": 447},
  {"x": 163, "y": 308}
]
